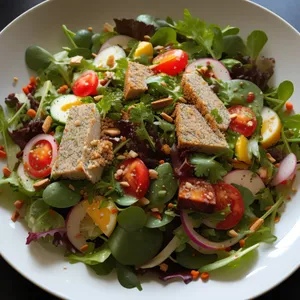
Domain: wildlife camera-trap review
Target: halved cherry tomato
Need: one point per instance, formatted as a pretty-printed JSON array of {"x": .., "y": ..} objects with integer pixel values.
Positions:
[
  {"x": 86, "y": 84},
  {"x": 245, "y": 122},
  {"x": 228, "y": 194},
  {"x": 137, "y": 175},
  {"x": 171, "y": 62},
  {"x": 39, "y": 160}
]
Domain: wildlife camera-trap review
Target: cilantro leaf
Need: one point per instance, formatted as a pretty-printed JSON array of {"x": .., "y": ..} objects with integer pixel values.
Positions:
[
  {"x": 112, "y": 101},
  {"x": 206, "y": 166},
  {"x": 168, "y": 130},
  {"x": 207, "y": 37}
]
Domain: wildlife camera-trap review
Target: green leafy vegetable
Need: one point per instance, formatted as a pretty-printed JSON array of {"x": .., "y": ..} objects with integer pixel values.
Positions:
[
  {"x": 126, "y": 200},
  {"x": 168, "y": 131},
  {"x": 225, "y": 261},
  {"x": 12, "y": 180},
  {"x": 230, "y": 62},
  {"x": 99, "y": 39},
  {"x": 132, "y": 218},
  {"x": 255, "y": 43},
  {"x": 216, "y": 115},
  {"x": 104, "y": 268},
  {"x": 70, "y": 35},
  {"x": 164, "y": 36},
  {"x": 229, "y": 30},
  {"x": 83, "y": 38},
  {"x": 127, "y": 277},
  {"x": 84, "y": 52},
  {"x": 234, "y": 46},
  {"x": 153, "y": 222},
  {"x": 59, "y": 130},
  {"x": 111, "y": 102},
  {"x": 43, "y": 93},
  {"x": 247, "y": 195},
  {"x": 206, "y": 166},
  {"x": 97, "y": 256},
  {"x": 263, "y": 235},
  {"x": 265, "y": 198}
]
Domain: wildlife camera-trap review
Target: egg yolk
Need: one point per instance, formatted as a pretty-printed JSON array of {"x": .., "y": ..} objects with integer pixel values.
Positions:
[{"x": 71, "y": 104}]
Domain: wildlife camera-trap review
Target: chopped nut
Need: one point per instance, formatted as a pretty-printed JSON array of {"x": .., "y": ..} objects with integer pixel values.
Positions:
[
  {"x": 108, "y": 28},
  {"x": 143, "y": 201},
  {"x": 94, "y": 55},
  {"x": 77, "y": 123},
  {"x": 16, "y": 79},
  {"x": 256, "y": 225},
  {"x": 118, "y": 174},
  {"x": 19, "y": 204},
  {"x": 71, "y": 187},
  {"x": 110, "y": 61},
  {"x": 294, "y": 190},
  {"x": 166, "y": 149},
  {"x": 15, "y": 216},
  {"x": 41, "y": 184},
  {"x": 232, "y": 233},
  {"x": 147, "y": 38},
  {"x": 277, "y": 219},
  {"x": 121, "y": 157},
  {"x": 94, "y": 143},
  {"x": 203, "y": 70},
  {"x": 161, "y": 162},
  {"x": 277, "y": 165},
  {"x": 164, "y": 84},
  {"x": 6, "y": 172},
  {"x": 76, "y": 60},
  {"x": 47, "y": 124},
  {"x": 155, "y": 209},
  {"x": 182, "y": 100},
  {"x": 112, "y": 132},
  {"x": 124, "y": 184},
  {"x": 161, "y": 103},
  {"x": 271, "y": 158},
  {"x": 188, "y": 185},
  {"x": 262, "y": 172},
  {"x": 90, "y": 29},
  {"x": 153, "y": 174},
  {"x": 132, "y": 154},
  {"x": 163, "y": 267},
  {"x": 167, "y": 117},
  {"x": 84, "y": 248},
  {"x": 233, "y": 116},
  {"x": 159, "y": 48},
  {"x": 98, "y": 98}
]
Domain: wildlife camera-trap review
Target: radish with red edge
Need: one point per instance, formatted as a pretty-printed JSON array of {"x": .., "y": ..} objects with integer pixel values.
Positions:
[
  {"x": 245, "y": 178},
  {"x": 287, "y": 170},
  {"x": 118, "y": 40},
  {"x": 219, "y": 70},
  {"x": 38, "y": 155},
  {"x": 74, "y": 218},
  {"x": 203, "y": 242}
]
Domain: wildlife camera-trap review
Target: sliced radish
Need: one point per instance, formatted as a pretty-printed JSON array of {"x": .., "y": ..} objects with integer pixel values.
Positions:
[
  {"x": 118, "y": 40},
  {"x": 201, "y": 241},
  {"x": 163, "y": 255},
  {"x": 218, "y": 68},
  {"x": 103, "y": 57},
  {"x": 74, "y": 218},
  {"x": 245, "y": 178},
  {"x": 25, "y": 180},
  {"x": 287, "y": 169}
]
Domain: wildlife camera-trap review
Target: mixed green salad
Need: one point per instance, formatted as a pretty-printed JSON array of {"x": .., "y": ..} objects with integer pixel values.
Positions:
[{"x": 153, "y": 145}]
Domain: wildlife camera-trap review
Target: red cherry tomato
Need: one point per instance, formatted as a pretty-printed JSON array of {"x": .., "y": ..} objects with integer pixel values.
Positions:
[
  {"x": 171, "y": 62},
  {"x": 86, "y": 84},
  {"x": 137, "y": 175},
  {"x": 245, "y": 122},
  {"x": 39, "y": 160},
  {"x": 228, "y": 194}
]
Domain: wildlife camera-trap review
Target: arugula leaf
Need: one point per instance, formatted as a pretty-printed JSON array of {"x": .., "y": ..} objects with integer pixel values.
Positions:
[
  {"x": 265, "y": 198},
  {"x": 43, "y": 93},
  {"x": 127, "y": 277},
  {"x": 141, "y": 114},
  {"x": 164, "y": 36},
  {"x": 195, "y": 29},
  {"x": 255, "y": 43},
  {"x": 229, "y": 30},
  {"x": 10, "y": 147},
  {"x": 225, "y": 261},
  {"x": 94, "y": 258},
  {"x": 206, "y": 166},
  {"x": 263, "y": 235}
]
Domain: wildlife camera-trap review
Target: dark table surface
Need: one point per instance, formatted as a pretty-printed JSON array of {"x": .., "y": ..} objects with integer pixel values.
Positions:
[{"x": 13, "y": 285}]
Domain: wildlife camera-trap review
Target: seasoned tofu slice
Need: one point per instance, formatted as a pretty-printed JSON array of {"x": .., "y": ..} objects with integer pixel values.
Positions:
[
  {"x": 193, "y": 132},
  {"x": 196, "y": 194},
  {"x": 197, "y": 91},
  {"x": 135, "y": 80},
  {"x": 81, "y": 154}
]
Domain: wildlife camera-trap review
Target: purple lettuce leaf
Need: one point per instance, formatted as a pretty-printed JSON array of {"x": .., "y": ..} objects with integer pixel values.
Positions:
[
  {"x": 33, "y": 236},
  {"x": 184, "y": 275}
]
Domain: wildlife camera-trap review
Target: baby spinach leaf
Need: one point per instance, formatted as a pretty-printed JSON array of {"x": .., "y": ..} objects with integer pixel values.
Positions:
[
  {"x": 230, "y": 62},
  {"x": 70, "y": 35},
  {"x": 127, "y": 277},
  {"x": 132, "y": 218},
  {"x": 234, "y": 45},
  {"x": 83, "y": 38},
  {"x": 229, "y": 30},
  {"x": 84, "y": 52},
  {"x": 247, "y": 195},
  {"x": 218, "y": 43},
  {"x": 255, "y": 43},
  {"x": 104, "y": 268},
  {"x": 192, "y": 49},
  {"x": 97, "y": 256},
  {"x": 164, "y": 36},
  {"x": 37, "y": 58},
  {"x": 126, "y": 200},
  {"x": 153, "y": 222},
  {"x": 99, "y": 39}
]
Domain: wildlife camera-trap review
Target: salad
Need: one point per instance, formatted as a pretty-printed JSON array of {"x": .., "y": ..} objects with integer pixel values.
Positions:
[{"x": 152, "y": 146}]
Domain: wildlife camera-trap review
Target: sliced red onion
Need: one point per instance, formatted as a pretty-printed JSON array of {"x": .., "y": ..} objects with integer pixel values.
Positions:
[
  {"x": 245, "y": 178},
  {"x": 118, "y": 40},
  {"x": 163, "y": 255},
  {"x": 218, "y": 68},
  {"x": 40, "y": 137},
  {"x": 201, "y": 241},
  {"x": 287, "y": 169}
]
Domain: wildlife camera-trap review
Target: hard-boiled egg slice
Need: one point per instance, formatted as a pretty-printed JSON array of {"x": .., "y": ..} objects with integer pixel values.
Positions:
[
  {"x": 60, "y": 107},
  {"x": 108, "y": 58},
  {"x": 104, "y": 213},
  {"x": 241, "y": 150},
  {"x": 271, "y": 127},
  {"x": 144, "y": 48}
]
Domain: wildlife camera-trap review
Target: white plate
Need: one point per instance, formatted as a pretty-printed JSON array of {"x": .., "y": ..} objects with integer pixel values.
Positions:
[{"x": 45, "y": 265}]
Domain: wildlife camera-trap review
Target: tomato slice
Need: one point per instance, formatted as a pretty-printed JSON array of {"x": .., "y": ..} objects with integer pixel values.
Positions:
[
  {"x": 137, "y": 175},
  {"x": 39, "y": 160},
  {"x": 228, "y": 194},
  {"x": 245, "y": 122},
  {"x": 171, "y": 62},
  {"x": 86, "y": 84}
]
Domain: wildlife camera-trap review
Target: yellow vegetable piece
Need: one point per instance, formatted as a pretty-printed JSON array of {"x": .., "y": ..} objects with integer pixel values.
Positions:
[
  {"x": 241, "y": 150},
  {"x": 271, "y": 127},
  {"x": 71, "y": 104},
  {"x": 144, "y": 48}
]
